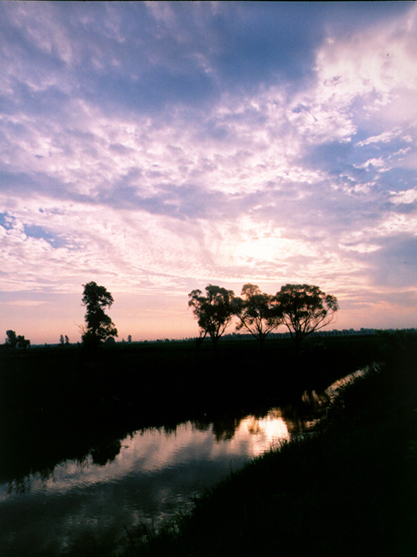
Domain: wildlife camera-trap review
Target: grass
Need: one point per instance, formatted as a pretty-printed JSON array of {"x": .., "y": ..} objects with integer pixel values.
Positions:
[{"x": 350, "y": 488}]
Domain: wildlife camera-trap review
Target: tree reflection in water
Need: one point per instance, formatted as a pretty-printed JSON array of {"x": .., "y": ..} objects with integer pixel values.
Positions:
[
  {"x": 131, "y": 477},
  {"x": 37, "y": 453}
]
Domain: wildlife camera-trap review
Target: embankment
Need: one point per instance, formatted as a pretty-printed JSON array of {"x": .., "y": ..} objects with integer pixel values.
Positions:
[{"x": 349, "y": 489}]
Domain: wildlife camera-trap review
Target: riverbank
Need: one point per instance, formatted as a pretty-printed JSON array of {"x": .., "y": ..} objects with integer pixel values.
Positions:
[
  {"x": 61, "y": 403},
  {"x": 350, "y": 488}
]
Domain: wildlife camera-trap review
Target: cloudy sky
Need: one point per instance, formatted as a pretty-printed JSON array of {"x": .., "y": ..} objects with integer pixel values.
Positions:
[{"x": 156, "y": 148}]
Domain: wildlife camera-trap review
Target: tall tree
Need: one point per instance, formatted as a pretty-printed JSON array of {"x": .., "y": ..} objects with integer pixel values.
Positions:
[
  {"x": 99, "y": 326},
  {"x": 257, "y": 312},
  {"x": 304, "y": 309},
  {"x": 214, "y": 311}
]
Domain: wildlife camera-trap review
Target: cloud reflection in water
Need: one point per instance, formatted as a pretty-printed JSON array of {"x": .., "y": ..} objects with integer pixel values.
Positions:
[{"x": 154, "y": 474}]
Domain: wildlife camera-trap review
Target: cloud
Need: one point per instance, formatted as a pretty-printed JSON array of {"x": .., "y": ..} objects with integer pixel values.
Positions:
[
  {"x": 396, "y": 262},
  {"x": 27, "y": 303},
  {"x": 157, "y": 146},
  {"x": 407, "y": 197}
]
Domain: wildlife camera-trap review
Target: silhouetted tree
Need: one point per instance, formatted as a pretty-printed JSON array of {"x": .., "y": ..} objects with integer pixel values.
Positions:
[
  {"x": 61, "y": 340},
  {"x": 304, "y": 309},
  {"x": 66, "y": 339},
  {"x": 99, "y": 326},
  {"x": 18, "y": 341},
  {"x": 257, "y": 312},
  {"x": 214, "y": 311},
  {"x": 11, "y": 338},
  {"x": 22, "y": 342}
]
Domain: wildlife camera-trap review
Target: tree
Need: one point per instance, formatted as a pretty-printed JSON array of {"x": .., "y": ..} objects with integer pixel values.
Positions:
[
  {"x": 99, "y": 326},
  {"x": 11, "y": 338},
  {"x": 214, "y": 311},
  {"x": 22, "y": 342},
  {"x": 257, "y": 312},
  {"x": 16, "y": 341},
  {"x": 304, "y": 309},
  {"x": 61, "y": 340}
]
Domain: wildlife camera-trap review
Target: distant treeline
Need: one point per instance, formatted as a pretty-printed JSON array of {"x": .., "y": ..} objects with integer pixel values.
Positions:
[
  {"x": 246, "y": 337},
  {"x": 332, "y": 333}
]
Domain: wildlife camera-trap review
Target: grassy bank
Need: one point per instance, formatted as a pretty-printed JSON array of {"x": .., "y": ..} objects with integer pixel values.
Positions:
[{"x": 349, "y": 489}]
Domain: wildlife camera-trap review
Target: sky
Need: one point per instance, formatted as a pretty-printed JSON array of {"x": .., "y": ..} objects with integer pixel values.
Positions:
[{"x": 157, "y": 147}]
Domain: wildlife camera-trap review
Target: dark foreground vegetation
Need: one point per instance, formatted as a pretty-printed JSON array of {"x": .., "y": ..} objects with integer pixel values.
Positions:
[
  {"x": 348, "y": 489},
  {"x": 64, "y": 402}
]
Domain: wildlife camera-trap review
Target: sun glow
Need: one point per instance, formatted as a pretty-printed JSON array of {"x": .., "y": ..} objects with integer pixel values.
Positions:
[{"x": 156, "y": 167}]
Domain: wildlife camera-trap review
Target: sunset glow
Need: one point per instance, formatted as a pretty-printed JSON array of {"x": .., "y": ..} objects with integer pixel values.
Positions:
[{"x": 157, "y": 147}]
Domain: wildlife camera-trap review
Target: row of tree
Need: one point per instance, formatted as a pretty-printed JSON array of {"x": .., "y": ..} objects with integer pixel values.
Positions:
[{"x": 302, "y": 308}]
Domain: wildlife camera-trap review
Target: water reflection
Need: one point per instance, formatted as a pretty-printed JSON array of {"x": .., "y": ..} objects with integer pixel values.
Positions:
[{"x": 82, "y": 505}]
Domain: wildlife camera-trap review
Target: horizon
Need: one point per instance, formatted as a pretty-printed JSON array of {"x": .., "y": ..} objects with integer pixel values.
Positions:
[
  {"x": 156, "y": 148},
  {"x": 237, "y": 335}
]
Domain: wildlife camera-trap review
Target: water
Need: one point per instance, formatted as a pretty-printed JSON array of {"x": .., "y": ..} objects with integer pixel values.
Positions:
[{"x": 84, "y": 507}]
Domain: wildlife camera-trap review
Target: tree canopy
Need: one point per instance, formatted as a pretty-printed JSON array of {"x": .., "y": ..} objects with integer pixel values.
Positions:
[
  {"x": 304, "y": 309},
  {"x": 214, "y": 311},
  {"x": 99, "y": 326},
  {"x": 11, "y": 338},
  {"x": 16, "y": 341},
  {"x": 257, "y": 312}
]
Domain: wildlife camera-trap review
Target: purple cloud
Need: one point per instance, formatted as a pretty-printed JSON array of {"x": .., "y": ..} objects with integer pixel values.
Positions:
[{"x": 158, "y": 147}]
